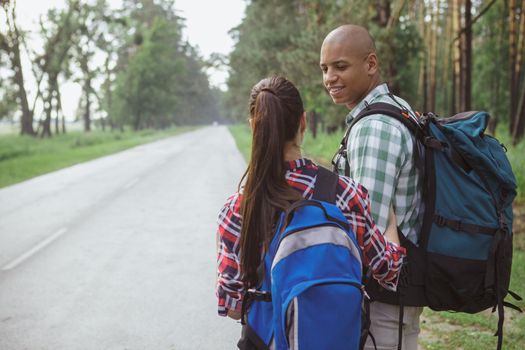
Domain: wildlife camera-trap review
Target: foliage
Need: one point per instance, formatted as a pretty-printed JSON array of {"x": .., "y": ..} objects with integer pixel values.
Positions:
[
  {"x": 23, "y": 157},
  {"x": 160, "y": 80},
  {"x": 8, "y": 104},
  {"x": 150, "y": 76},
  {"x": 414, "y": 40}
]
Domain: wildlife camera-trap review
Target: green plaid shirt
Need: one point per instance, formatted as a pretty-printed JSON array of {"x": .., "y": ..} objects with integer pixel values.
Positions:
[{"x": 380, "y": 155}]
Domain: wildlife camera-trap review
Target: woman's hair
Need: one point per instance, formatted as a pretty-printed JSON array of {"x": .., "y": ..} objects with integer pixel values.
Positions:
[{"x": 276, "y": 109}]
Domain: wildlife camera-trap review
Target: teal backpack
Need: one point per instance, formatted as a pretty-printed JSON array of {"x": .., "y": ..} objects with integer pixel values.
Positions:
[{"x": 463, "y": 258}]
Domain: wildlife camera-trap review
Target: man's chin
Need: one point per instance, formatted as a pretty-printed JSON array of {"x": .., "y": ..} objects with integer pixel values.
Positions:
[{"x": 339, "y": 101}]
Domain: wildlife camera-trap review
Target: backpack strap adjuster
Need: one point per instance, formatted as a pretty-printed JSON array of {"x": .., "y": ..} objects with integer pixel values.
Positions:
[{"x": 259, "y": 295}]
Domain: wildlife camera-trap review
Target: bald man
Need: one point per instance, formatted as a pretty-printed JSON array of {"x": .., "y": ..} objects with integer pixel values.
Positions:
[{"x": 380, "y": 156}]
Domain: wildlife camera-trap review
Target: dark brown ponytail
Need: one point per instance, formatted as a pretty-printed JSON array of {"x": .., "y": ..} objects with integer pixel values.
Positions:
[{"x": 275, "y": 112}]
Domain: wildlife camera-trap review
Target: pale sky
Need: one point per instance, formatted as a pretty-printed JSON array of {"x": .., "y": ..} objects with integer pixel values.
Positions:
[{"x": 207, "y": 26}]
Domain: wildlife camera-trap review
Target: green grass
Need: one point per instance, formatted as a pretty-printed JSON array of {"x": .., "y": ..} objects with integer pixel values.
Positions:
[
  {"x": 321, "y": 149},
  {"x": 243, "y": 138},
  {"x": 516, "y": 158},
  {"x": 24, "y": 157},
  {"x": 446, "y": 330}
]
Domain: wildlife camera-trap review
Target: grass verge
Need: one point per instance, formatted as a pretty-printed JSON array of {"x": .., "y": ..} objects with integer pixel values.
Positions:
[
  {"x": 24, "y": 157},
  {"x": 320, "y": 149},
  {"x": 446, "y": 330}
]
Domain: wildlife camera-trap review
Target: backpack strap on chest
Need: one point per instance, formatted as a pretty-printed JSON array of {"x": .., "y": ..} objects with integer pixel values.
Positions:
[{"x": 325, "y": 186}]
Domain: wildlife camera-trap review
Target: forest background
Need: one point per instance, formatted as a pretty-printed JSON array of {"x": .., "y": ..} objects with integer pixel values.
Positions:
[{"x": 137, "y": 75}]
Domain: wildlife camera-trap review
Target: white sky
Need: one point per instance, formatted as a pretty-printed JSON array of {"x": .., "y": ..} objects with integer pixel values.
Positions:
[{"x": 207, "y": 26}]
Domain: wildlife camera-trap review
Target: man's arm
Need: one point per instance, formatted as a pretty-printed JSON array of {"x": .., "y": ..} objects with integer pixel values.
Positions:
[
  {"x": 376, "y": 151},
  {"x": 391, "y": 231}
]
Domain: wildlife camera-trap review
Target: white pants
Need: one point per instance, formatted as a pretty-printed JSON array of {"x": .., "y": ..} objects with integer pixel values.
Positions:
[{"x": 385, "y": 326}]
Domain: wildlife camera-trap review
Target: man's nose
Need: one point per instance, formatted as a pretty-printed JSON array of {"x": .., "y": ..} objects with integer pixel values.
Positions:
[{"x": 330, "y": 77}]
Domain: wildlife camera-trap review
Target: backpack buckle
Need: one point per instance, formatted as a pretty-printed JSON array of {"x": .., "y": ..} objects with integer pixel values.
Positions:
[
  {"x": 259, "y": 295},
  {"x": 455, "y": 225},
  {"x": 439, "y": 220}
]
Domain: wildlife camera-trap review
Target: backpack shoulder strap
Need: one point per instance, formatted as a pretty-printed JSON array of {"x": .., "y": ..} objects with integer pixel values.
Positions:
[
  {"x": 326, "y": 185},
  {"x": 403, "y": 116}
]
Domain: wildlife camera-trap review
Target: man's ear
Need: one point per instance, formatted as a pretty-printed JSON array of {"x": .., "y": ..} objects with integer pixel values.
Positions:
[{"x": 372, "y": 64}]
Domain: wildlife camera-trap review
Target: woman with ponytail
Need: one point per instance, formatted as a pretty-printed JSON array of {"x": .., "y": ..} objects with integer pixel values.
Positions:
[{"x": 278, "y": 175}]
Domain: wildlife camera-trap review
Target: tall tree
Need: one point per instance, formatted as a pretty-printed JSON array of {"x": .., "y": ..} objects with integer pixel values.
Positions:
[
  {"x": 466, "y": 57},
  {"x": 10, "y": 42},
  {"x": 517, "y": 46},
  {"x": 62, "y": 25}
]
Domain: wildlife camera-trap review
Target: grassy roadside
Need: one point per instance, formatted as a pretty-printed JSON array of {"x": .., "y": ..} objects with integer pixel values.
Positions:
[
  {"x": 24, "y": 157},
  {"x": 446, "y": 330},
  {"x": 321, "y": 149}
]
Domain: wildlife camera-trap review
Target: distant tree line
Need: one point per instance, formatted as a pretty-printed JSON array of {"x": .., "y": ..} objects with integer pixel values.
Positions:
[
  {"x": 443, "y": 56},
  {"x": 132, "y": 64}
]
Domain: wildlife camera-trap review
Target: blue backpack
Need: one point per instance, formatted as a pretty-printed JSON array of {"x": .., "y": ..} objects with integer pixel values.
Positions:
[
  {"x": 463, "y": 258},
  {"x": 310, "y": 295}
]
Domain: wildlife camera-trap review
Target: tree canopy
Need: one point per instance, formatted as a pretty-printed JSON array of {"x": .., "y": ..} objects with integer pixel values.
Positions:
[
  {"x": 132, "y": 63},
  {"x": 442, "y": 56}
]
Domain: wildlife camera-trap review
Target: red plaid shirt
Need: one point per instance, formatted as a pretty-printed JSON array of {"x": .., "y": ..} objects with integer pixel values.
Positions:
[{"x": 385, "y": 258}]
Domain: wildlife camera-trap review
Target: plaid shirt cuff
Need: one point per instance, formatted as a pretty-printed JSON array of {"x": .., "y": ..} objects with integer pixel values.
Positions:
[
  {"x": 227, "y": 302},
  {"x": 398, "y": 253}
]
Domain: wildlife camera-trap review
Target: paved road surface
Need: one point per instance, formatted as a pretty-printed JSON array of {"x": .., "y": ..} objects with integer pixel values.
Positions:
[{"x": 119, "y": 252}]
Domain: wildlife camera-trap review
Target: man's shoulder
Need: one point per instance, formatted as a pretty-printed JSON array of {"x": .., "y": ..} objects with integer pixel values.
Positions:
[
  {"x": 380, "y": 123},
  {"x": 385, "y": 121}
]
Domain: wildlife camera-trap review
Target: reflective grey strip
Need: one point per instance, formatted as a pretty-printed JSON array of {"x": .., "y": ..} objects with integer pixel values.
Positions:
[
  {"x": 292, "y": 326},
  {"x": 272, "y": 344},
  {"x": 314, "y": 236}
]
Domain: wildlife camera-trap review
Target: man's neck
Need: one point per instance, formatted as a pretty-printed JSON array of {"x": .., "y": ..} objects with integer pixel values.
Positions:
[{"x": 375, "y": 82}]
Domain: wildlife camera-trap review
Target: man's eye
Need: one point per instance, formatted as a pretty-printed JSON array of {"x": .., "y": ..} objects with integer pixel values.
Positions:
[
  {"x": 324, "y": 69},
  {"x": 341, "y": 67}
]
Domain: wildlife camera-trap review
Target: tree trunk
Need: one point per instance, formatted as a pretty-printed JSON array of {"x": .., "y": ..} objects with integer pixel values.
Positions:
[
  {"x": 59, "y": 109},
  {"x": 421, "y": 87},
  {"x": 313, "y": 124},
  {"x": 495, "y": 97},
  {"x": 48, "y": 105},
  {"x": 517, "y": 134},
  {"x": 87, "y": 111},
  {"x": 466, "y": 58},
  {"x": 57, "y": 117},
  {"x": 456, "y": 13},
  {"x": 446, "y": 59},
  {"x": 27, "y": 114},
  {"x": 433, "y": 54},
  {"x": 383, "y": 12},
  {"x": 13, "y": 49},
  {"x": 46, "y": 124},
  {"x": 519, "y": 118},
  {"x": 512, "y": 57}
]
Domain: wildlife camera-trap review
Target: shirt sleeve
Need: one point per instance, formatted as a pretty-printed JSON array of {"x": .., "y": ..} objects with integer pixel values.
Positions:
[
  {"x": 384, "y": 258},
  {"x": 229, "y": 289},
  {"x": 376, "y": 151}
]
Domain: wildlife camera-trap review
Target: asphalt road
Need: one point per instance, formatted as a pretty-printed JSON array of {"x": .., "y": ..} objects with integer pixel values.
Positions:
[{"x": 119, "y": 252}]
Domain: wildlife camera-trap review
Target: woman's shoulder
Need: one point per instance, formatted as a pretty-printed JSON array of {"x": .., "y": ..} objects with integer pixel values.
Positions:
[
  {"x": 233, "y": 203},
  {"x": 351, "y": 191}
]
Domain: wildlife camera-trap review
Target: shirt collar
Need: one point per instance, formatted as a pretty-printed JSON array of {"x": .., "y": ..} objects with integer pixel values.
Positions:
[
  {"x": 297, "y": 163},
  {"x": 376, "y": 92}
]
